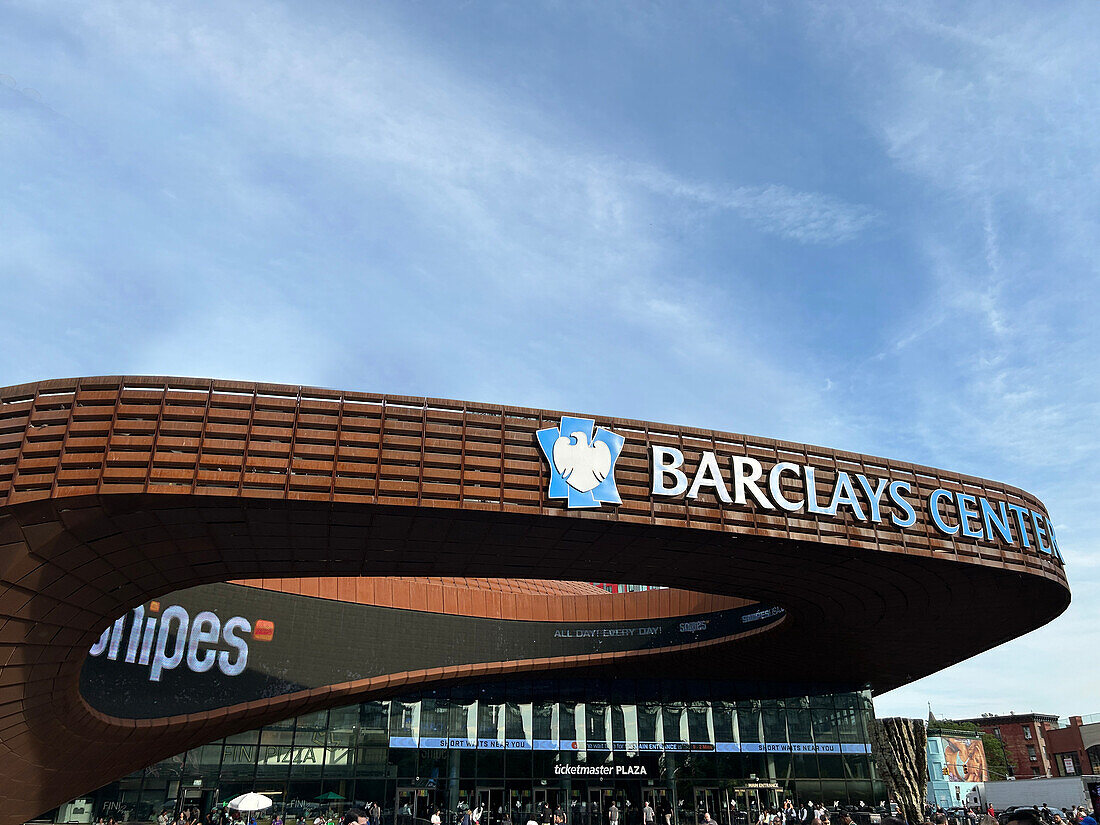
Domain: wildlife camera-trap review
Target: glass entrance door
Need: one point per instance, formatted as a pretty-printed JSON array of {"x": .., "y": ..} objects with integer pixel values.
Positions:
[
  {"x": 595, "y": 806},
  {"x": 748, "y": 805},
  {"x": 545, "y": 800},
  {"x": 706, "y": 805},
  {"x": 406, "y": 804},
  {"x": 520, "y": 806},
  {"x": 769, "y": 798},
  {"x": 751, "y": 802},
  {"x": 579, "y": 804},
  {"x": 659, "y": 801},
  {"x": 723, "y": 814},
  {"x": 491, "y": 801}
]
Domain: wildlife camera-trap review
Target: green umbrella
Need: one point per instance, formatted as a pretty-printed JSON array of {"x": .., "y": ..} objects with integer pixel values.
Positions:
[{"x": 331, "y": 796}]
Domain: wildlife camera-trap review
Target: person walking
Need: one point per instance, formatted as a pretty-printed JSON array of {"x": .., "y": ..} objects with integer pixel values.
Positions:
[
  {"x": 613, "y": 814},
  {"x": 649, "y": 816}
]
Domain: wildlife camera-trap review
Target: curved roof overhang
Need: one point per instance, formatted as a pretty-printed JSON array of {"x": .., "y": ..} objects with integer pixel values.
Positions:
[{"x": 117, "y": 490}]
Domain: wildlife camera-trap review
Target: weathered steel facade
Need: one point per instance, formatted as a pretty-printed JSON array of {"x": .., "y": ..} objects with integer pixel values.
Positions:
[{"x": 116, "y": 490}]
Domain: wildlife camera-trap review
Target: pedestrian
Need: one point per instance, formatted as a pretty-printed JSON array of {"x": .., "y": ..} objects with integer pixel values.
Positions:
[
  {"x": 613, "y": 814},
  {"x": 649, "y": 816}
]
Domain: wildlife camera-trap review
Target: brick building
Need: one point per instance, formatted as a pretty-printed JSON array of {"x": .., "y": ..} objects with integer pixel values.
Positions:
[
  {"x": 1074, "y": 745},
  {"x": 1023, "y": 737}
]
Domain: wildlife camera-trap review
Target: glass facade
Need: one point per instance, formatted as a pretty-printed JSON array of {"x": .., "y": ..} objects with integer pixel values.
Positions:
[{"x": 513, "y": 748}]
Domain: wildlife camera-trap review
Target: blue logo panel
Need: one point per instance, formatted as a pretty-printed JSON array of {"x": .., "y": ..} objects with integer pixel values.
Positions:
[{"x": 582, "y": 462}]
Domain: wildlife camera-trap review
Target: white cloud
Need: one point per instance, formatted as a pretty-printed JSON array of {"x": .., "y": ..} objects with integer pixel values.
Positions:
[{"x": 806, "y": 217}]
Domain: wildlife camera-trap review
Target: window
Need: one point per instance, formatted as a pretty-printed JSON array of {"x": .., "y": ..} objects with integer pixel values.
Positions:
[
  {"x": 1027, "y": 732},
  {"x": 1067, "y": 764},
  {"x": 1035, "y": 772},
  {"x": 997, "y": 732},
  {"x": 1031, "y": 753}
]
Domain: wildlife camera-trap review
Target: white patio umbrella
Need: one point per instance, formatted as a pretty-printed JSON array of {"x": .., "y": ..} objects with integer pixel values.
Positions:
[{"x": 250, "y": 802}]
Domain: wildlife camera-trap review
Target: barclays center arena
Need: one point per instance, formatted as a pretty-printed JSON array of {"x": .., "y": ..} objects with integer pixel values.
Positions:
[{"x": 334, "y": 598}]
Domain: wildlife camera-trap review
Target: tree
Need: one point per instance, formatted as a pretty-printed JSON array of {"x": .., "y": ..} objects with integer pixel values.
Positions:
[{"x": 900, "y": 750}]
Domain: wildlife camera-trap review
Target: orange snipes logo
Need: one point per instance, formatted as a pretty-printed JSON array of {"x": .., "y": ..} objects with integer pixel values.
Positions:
[{"x": 264, "y": 630}]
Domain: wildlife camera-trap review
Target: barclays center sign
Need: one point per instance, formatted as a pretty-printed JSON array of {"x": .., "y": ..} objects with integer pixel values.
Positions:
[{"x": 582, "y": 458}]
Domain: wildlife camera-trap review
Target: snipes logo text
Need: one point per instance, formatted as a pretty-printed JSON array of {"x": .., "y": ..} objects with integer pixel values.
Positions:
[{"x": 164, "y": 640}]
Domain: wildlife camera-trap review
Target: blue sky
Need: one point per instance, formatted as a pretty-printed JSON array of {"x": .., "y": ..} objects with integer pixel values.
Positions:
[{"x": 868, "y": 226}]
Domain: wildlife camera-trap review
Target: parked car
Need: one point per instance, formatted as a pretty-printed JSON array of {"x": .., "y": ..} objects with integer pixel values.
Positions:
[{"x": 1006, "y": 814}]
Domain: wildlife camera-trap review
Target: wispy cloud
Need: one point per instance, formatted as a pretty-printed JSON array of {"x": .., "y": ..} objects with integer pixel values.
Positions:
[{"x": 805, "y": 217}]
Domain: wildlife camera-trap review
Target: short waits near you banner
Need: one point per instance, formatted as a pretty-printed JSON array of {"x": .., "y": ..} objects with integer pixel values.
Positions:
[{"x": 626, "y": 747}]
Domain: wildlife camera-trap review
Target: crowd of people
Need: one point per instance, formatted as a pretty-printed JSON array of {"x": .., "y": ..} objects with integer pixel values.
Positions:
[
  {"x": 215, "y": 816},
  {"x": 623, "y": 812},
  {"x": 580, "y": 813},
  {"x": 1039, "y": 815}
]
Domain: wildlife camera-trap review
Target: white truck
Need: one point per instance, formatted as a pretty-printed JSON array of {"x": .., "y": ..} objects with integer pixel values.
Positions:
[{"x": 1057, "y": 792}]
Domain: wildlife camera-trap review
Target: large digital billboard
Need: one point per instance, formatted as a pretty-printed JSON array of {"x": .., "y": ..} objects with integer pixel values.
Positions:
[
  {"x": 223, "y": 644},
  {"x": 964, "y": 759}
]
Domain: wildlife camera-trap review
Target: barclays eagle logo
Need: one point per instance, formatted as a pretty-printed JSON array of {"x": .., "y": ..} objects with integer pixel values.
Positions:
[{"x": 582, "y": 466}]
